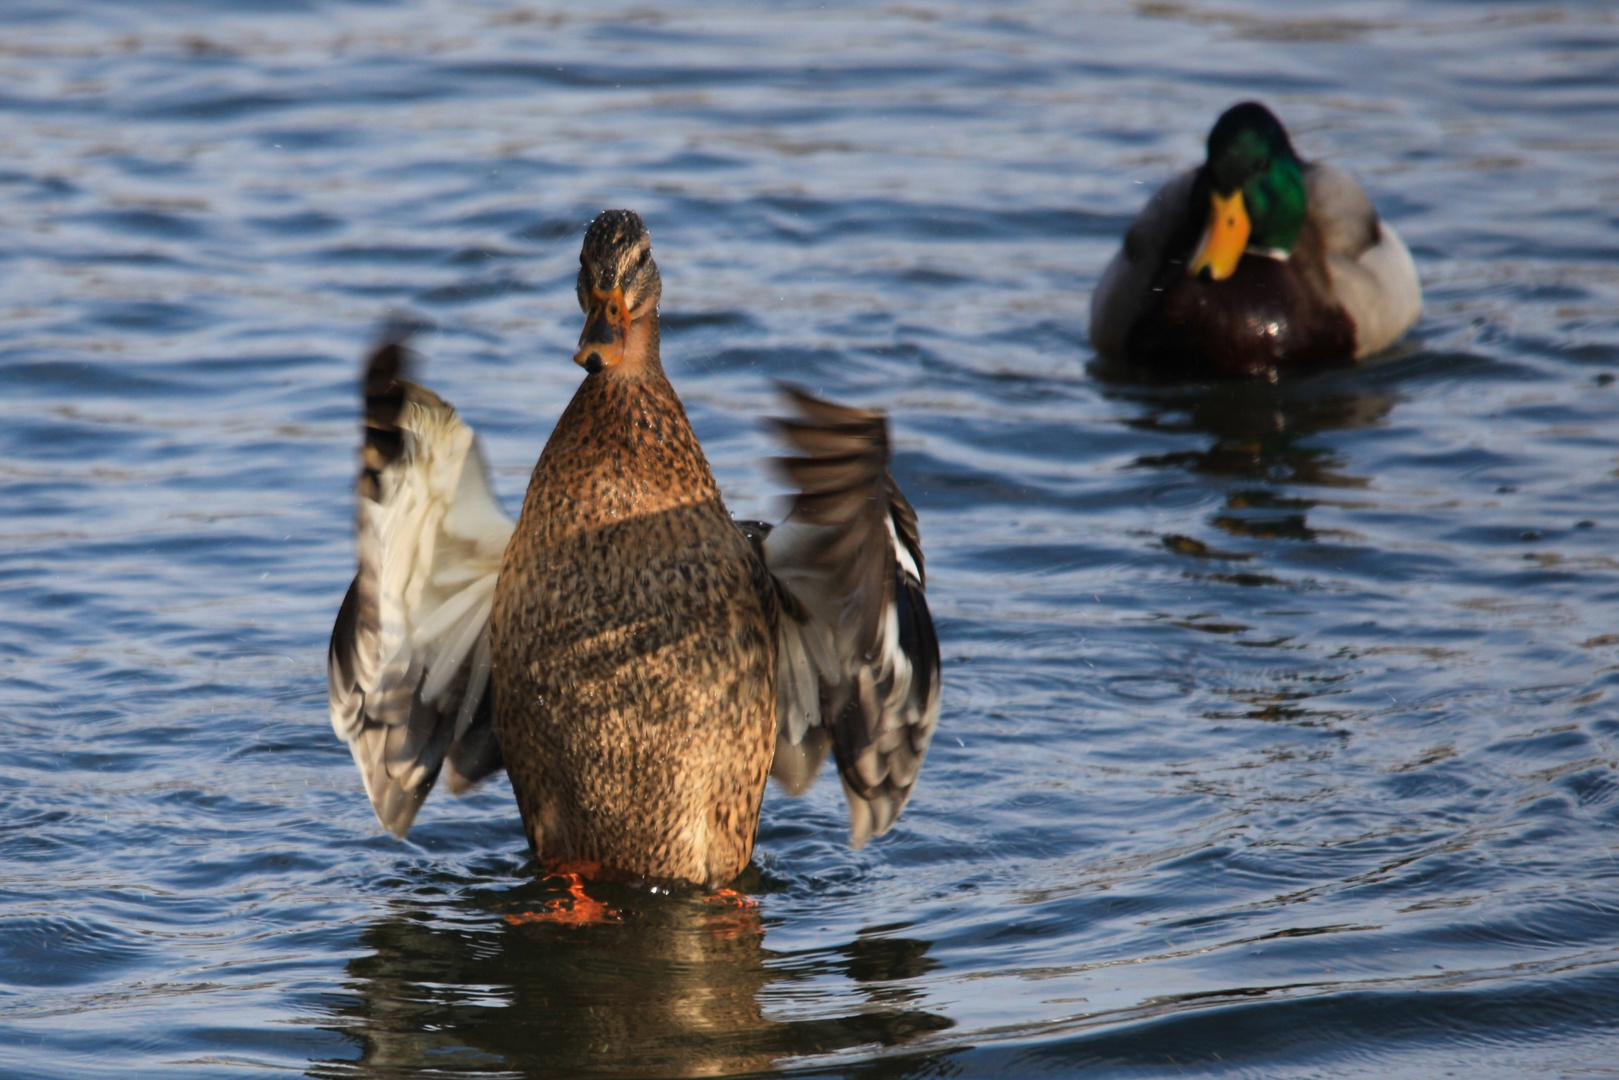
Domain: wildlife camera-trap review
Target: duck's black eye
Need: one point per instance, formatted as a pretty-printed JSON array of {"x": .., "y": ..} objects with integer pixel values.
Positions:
[{"x": 646, "y": 253}]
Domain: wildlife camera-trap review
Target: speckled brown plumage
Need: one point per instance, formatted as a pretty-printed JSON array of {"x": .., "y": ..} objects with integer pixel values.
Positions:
[{"x": 633, "y": 640}]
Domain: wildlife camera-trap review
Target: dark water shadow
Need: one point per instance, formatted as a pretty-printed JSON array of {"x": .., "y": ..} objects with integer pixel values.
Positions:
[
  {"x": 677, "y": 987},
  {"x": 1261, "y": 440},
  {"x": 1257, "y": 425},
  {"x": 1425, "y": 1026}
]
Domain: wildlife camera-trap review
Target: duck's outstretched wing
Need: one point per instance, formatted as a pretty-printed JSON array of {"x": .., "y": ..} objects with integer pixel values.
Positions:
[
  {"x": 1372, "y": 273},
  {"x": 858, "y": 665},
  {"x": 408, "y": 666}
]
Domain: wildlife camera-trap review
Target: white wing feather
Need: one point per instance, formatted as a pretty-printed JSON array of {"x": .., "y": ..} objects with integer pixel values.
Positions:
[{"x": 408, "y": 666}]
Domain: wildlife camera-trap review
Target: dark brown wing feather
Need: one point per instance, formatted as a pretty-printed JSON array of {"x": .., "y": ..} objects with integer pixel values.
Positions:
[{"x": 859, "y": 663}]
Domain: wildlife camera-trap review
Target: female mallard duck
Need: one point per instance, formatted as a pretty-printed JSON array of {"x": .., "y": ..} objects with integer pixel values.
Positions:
[
  {"x": 638, "y": 661},
  {"x": 1255, "y": 262}
]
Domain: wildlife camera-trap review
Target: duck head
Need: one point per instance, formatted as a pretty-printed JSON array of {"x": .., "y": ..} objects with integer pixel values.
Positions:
[
  {"x": 619, "y": 286},
  {"x": 1254, "y": 185}
]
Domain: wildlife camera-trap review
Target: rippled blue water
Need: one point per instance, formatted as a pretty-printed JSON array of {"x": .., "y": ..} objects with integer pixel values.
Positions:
[{"x": 1279, "y": 734}]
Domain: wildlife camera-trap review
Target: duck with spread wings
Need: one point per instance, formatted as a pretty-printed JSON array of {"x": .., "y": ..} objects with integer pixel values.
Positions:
[{"x": 638, "y": 662}]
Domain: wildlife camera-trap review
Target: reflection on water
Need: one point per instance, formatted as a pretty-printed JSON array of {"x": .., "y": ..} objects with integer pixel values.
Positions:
[
  {"x": 1262, "y": 439},
  {"x": 1265, "y": 460},
  {"x": 680, "y": 987},
  {"x": 1260, "y": 428}
]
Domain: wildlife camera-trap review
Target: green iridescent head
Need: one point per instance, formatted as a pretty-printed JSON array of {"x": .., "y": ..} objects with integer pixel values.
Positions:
[{"x": 1256, "y": 190}]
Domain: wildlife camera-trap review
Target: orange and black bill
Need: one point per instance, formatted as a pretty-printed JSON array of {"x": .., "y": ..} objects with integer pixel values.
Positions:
[{"x": 607, "y": 320}]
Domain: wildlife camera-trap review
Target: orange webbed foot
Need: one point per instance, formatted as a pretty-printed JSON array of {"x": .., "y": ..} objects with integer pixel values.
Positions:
[
  {"x": 737, "y": 917},
  {"x": 578, "y": 908}
]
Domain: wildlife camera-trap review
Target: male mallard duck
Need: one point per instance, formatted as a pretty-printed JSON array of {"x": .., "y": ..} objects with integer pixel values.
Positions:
[
  {"x": 1253, "y": 262},
  {"x": 637, "y": 660}
]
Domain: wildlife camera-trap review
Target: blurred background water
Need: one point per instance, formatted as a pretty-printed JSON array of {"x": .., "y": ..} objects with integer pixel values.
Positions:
[{"x": 1279, "y": 732}]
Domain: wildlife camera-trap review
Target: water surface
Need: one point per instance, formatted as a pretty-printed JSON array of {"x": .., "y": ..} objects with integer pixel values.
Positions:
[{"x": 1279, "y": 733}]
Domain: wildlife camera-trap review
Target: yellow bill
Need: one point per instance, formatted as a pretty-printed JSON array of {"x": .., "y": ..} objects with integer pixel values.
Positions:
[{"x": 1224, "y": 238}]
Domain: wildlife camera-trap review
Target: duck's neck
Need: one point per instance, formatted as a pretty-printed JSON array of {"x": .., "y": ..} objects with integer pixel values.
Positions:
[
  {"x": 624, "y": 447},
  {"x": 641, "y": 356}
]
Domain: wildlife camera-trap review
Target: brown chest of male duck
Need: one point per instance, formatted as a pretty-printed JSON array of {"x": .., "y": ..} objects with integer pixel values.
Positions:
[{"x": 1270, "y": 314}]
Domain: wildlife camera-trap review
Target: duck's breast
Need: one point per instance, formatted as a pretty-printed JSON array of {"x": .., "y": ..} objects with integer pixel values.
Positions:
[
  {"x": 634, "y": 652},
  {"x": 1270, "y": 314}
]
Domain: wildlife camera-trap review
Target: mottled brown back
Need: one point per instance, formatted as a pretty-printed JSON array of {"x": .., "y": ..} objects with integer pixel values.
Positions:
[{"x": 634, "y": 649}]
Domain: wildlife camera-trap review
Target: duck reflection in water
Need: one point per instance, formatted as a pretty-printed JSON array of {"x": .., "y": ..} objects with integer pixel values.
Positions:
[
  {"x": 1271, "y": 473},
  {"x": 675, "y": 987},
  {"x": 1261, "y": 434}
]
